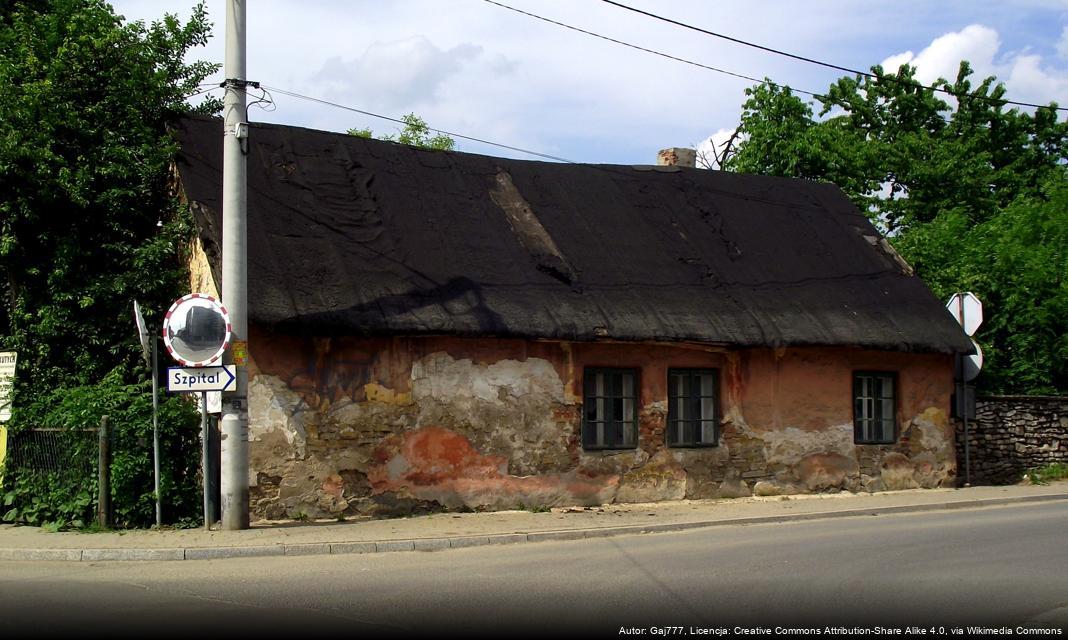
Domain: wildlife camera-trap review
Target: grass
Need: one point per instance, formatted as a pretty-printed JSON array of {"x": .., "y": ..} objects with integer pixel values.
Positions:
[{"x": 1048, "y": 473}]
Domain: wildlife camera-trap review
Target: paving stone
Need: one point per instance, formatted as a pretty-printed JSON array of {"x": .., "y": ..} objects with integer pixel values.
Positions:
[
  {"x": 353, "y": 547},
  {"x": 214, "y": 553},
  {"x": 395, "y": 545},
  {"x": 307, "y": 549},
  {"x": 431, "y": 544},
  {"x": 92, "y": 555}
]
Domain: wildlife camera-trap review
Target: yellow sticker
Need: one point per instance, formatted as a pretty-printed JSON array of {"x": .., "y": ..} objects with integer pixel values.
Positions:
[{"x": 240, "y": 352}]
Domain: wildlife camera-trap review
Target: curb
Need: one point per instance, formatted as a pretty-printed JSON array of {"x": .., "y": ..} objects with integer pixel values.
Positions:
[{"x": 437, "y": 544}]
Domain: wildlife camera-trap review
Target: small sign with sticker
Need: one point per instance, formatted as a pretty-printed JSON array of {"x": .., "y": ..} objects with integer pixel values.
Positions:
[{"x": 240, "y": 353}]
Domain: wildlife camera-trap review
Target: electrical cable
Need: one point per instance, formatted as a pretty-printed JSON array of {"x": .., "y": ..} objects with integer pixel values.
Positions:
[
  {"x": 293, "y": 94},
  {"x": 652, "y": 51},
  {"x": 866, "y": 74}
]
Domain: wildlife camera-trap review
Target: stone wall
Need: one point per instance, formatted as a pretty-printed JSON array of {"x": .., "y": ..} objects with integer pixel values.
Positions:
[
  {"x": 383, "y": 426},
  {"x": 1012, "y": 434}
]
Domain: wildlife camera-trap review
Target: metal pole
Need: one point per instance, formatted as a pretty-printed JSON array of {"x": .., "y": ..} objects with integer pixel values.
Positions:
[
  {"x": 155, "y": 432},
  {"x": 234, "y": 424},
  {"x": 964, "y": 393},
  {"x": 204, "y": 457},
  {"x": 967, "y": 437},
  {"x": 103, "y": 475}
]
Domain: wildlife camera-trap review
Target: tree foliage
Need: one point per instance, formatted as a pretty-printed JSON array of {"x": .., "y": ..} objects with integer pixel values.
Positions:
[
  {"x": 416, "y": 133},
  {"x": 87, "y": 221},
  {"x": 972, "y": 194},
  {"x": 67, "y": 497}
]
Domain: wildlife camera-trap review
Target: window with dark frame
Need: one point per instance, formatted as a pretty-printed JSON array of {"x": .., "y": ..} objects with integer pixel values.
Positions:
[
  {"x": 610, "y": 408},
  {"x": 874, "y": 407},
  {"x": 693, "y": 411}
]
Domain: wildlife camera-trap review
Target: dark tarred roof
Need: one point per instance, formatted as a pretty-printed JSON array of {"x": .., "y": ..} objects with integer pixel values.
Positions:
[{"x": 363, "y": 237}]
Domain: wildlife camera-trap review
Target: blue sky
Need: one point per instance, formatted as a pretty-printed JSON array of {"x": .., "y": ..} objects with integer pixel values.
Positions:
[{"x": 477, "y": 69}]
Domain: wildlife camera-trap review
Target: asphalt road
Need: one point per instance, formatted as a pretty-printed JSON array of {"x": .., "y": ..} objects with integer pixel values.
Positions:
[{"x": 995, "y": 567}]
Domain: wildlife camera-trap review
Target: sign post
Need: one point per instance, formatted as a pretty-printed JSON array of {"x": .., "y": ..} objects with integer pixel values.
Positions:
[
  {"x": 967, "y": 310},
  {"x": 196, "y": 332},
  {"x": 142, "y": 334}
]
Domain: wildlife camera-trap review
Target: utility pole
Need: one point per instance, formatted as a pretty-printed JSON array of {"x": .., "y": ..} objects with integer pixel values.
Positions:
[{"x": 234, "y": 423}]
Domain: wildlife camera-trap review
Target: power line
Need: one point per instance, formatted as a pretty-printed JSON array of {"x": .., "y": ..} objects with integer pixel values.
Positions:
[
  {"x": 646, "y": 50},
  {"x": 293, "y": 94},
  {"x": 866, "y": 74}
]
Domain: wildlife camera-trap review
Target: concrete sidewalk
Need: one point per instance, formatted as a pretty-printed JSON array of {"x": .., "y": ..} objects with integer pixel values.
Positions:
[{"x": 455, "y": 530}]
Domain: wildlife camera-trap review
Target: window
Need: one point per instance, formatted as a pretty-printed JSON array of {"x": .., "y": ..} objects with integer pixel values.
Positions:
[
  {"x": 874, "y": 408},
  {"x": 692, "y": 414},
  {"x": 610, "y": 413}
]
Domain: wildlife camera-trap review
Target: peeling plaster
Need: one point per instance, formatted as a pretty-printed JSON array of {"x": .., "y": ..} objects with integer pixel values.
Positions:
[
  {"x": 788, "y": 445},
  {"x": 272, "y": 411},
  {"x": 440, "y": 376},
  {"x": 420, "y": 431}
]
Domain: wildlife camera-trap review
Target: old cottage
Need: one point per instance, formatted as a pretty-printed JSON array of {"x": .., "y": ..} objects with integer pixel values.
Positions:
[{"x": 436, "y": 330}]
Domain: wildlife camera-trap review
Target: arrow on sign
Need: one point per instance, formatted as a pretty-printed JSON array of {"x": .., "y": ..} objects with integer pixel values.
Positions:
[{"x": 190, "y": 379}]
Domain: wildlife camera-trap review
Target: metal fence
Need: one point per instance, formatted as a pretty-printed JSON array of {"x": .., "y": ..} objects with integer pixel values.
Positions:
[{"x": 63, "y": 451}]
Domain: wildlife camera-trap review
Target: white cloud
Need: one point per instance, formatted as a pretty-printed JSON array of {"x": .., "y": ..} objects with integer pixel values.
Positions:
[
  {"x": 396, "y": 75},
  {"x": 1062, "y": 44},
  {"x": 894, "y": 62},
  {"x": 710, "y": 151},
  {"x": 1026, "y": 77},
  {"x": 941, "y": 59}
]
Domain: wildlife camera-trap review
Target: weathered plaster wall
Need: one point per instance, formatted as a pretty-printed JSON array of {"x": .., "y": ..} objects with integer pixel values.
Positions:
[
  {"x": 200, "y": 278},
  {"x": 402, "y": 425}
]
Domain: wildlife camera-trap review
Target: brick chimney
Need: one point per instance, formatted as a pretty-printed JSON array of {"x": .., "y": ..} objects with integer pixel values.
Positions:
[{"x": 677, "y": 157}]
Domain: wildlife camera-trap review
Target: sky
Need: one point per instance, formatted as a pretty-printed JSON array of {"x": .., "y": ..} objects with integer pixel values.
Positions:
[{"x": 476, "y": 69}]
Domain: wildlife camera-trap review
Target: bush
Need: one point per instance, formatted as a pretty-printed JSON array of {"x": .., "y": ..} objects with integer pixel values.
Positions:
[{"x": 67, "y": 497}]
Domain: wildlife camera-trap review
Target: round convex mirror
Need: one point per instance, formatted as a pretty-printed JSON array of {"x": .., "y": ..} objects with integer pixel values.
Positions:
[{"x": 196, "y": 330}]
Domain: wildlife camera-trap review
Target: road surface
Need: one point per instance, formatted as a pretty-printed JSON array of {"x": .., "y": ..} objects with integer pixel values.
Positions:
[{"x": 1000, "y": 567}]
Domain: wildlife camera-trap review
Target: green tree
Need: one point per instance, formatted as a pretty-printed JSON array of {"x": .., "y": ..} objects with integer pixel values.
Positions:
[
  {"x": 415, "y": 133},
  {"x": 89, "y": 222},
  {"x": 972, "y": 194}
]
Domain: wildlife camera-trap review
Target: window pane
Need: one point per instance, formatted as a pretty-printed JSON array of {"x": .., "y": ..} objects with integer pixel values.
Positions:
[
  {"x": 888, "y": 388},
  {"x": 599, "y": 390},
  {"x": 885, "y": 431},
  {"x": 708, "y": 432},
  {"x": 708, "y": 409},
  {"x": 708, "y": 386}
]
